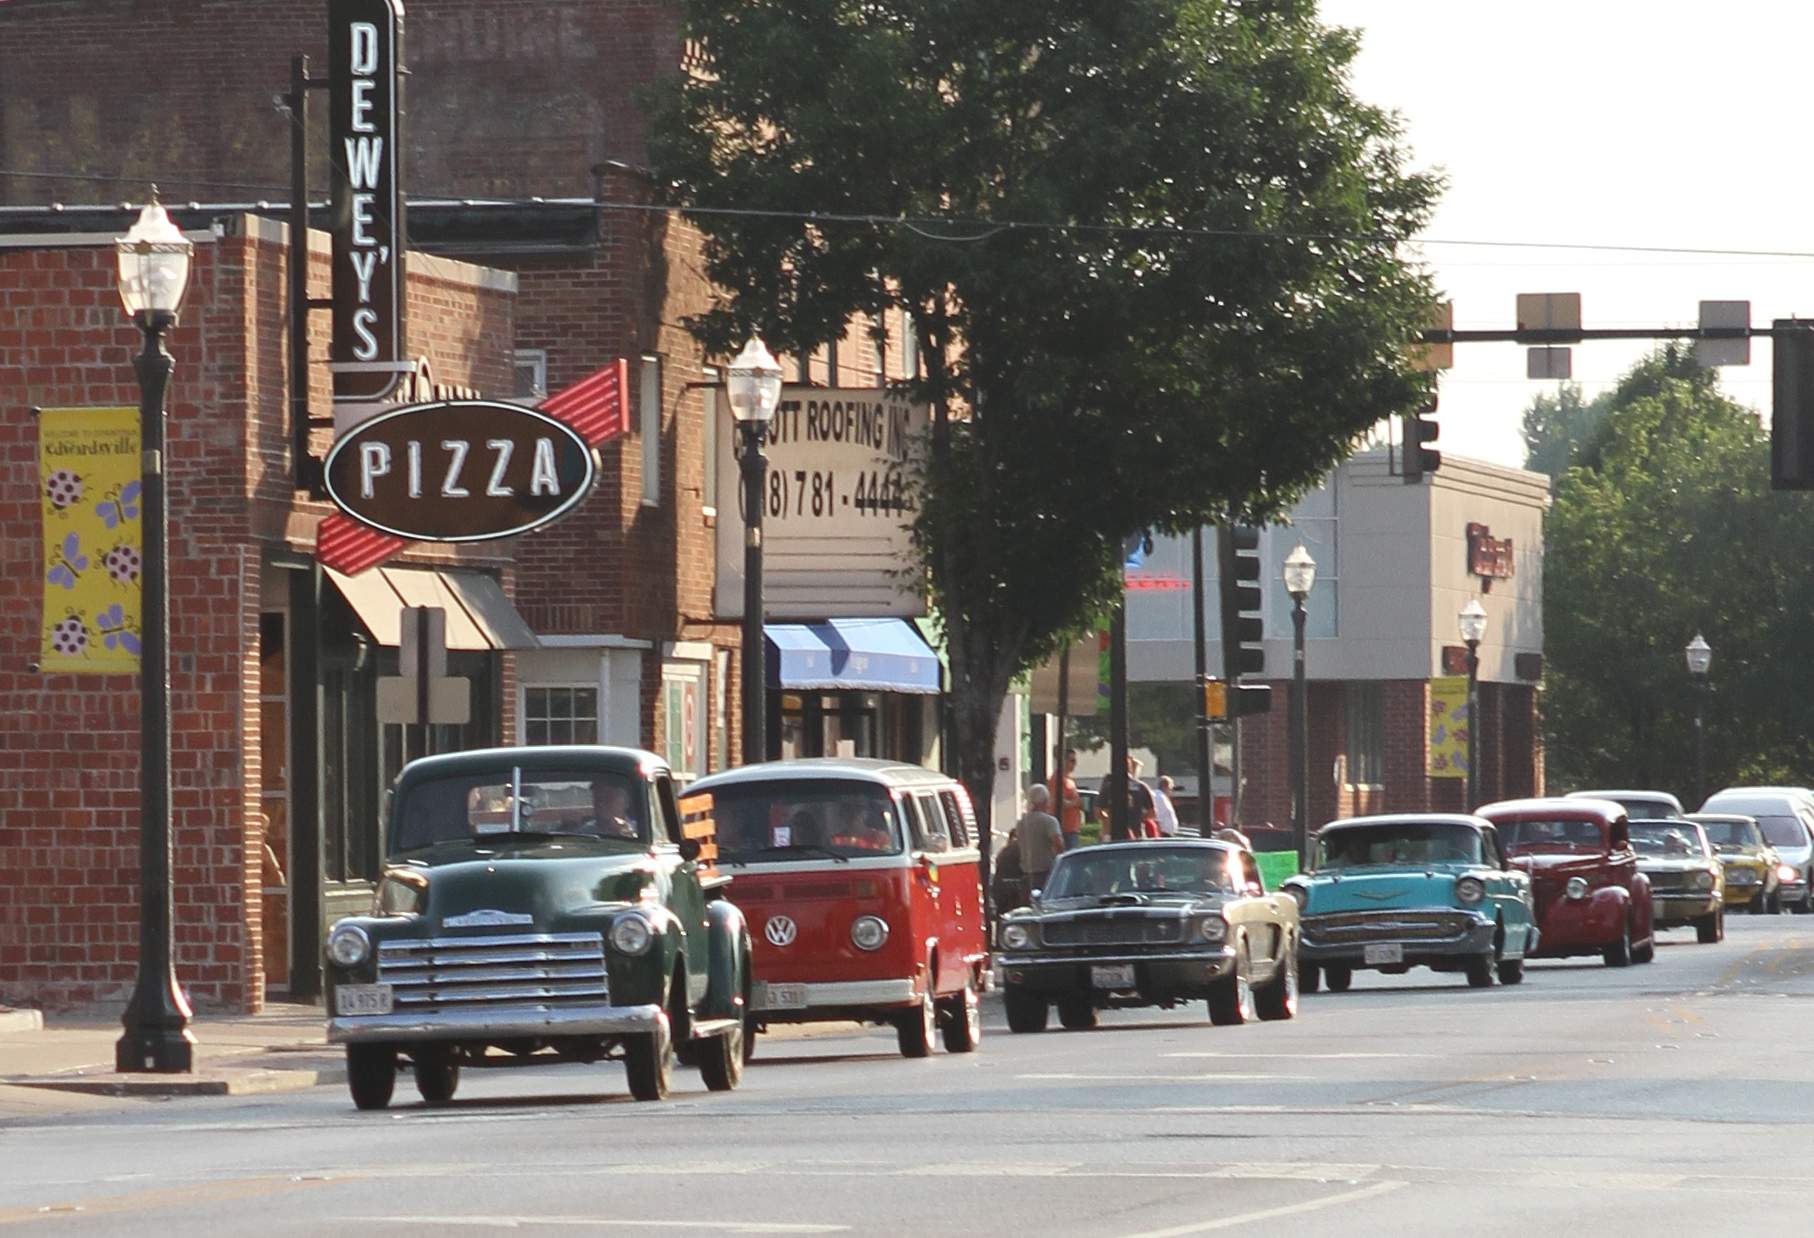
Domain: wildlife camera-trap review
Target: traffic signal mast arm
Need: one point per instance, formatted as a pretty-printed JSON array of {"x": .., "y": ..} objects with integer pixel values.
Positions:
[{"x": 1576, "y": 335}]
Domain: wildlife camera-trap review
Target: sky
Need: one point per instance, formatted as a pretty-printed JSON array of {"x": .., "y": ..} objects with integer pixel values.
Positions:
[{"x": 1598, "y": 123}]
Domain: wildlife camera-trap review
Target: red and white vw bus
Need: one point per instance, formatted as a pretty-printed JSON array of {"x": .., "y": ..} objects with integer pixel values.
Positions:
[{"x": 861, "y": 884}]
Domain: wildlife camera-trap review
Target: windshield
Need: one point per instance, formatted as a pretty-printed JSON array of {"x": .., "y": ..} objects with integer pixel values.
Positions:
[
  {"x": 1730, "y": 835},
  {"x": 1411, "y": 843},
  {"x": 538, "y": 802},
  {"x": 1093, "y": 872},
  {"x": 771, "y": 821},
  {"x": 1664, "y": 841},
  {"x": 1783, "y": 831},
  {"x": 1560, "y": 835}
]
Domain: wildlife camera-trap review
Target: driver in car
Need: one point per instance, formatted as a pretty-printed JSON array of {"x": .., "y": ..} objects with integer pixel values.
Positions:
[{"x": 611, "y": 811}]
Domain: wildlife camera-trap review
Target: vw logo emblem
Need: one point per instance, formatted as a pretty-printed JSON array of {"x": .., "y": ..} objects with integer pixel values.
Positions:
[{"x": 780, "y": 930}]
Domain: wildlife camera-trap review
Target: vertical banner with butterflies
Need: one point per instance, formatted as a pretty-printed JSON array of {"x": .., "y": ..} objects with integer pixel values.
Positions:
[
  {"x": 88, "y": 466},
  {"x": 1450, "y": 727}
]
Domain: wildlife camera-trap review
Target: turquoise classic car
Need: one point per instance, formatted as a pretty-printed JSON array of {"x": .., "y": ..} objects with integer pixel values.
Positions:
[
  {"x": 540, "y": 905},
  {"x": 1415, "y": 890}
]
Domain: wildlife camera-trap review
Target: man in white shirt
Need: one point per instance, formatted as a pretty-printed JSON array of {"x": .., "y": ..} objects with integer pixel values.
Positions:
[{"x": 1163, "y": 812}]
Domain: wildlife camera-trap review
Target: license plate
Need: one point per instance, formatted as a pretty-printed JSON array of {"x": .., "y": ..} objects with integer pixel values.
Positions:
[
  {"x": 1115, "y": 976},
  {"x": 1386, "y": 952},
  {"x": 778, "y": 996},
  {"x": 362, "y": 999}
]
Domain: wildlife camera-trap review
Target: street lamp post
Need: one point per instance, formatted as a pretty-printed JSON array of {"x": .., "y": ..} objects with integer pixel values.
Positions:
[
  {"x": 1700, "y": 659},
  {"x": 1472, "y": 622},
  {"x": 154, "y": 274},
  {"x": 1300, "y": 576},
  {"x": 754, "y": 382}
]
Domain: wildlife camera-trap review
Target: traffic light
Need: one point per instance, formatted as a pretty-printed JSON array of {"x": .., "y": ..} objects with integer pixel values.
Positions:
[
  {"x": 1421, "y": 428},
  {"x": 1222, "y": 701},
  {"x": 1792, "y": 412},
  {"x": 1238, "y": 552}
]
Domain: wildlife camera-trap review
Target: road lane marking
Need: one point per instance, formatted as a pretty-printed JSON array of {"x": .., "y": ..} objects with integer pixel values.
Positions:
[
  {"x": 1215, "y": 1078},
  {"x": 1312, "y": 1057},
  {"x": 595, "y": 1222},
  {"x": 1267, "y": 1214}
]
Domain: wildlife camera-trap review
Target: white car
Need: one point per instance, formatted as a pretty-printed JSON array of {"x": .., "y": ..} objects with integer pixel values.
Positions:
[{"x": 1786, "y": 816}]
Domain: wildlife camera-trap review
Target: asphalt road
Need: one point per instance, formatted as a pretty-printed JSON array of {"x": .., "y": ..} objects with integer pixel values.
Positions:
[{"x": 1667, "y": 1098}]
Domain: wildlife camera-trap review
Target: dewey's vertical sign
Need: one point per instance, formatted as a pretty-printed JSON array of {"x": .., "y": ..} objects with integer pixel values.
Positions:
[{"x": 367, "y": 357}]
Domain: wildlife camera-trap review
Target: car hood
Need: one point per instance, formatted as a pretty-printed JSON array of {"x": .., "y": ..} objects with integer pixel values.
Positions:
[
  {"x": 1375, "y": 889},
  {"x": 545, "y": 881},
  {"x": 1559, "y": 864},
  {"x": 1652, "y": 865},
  {"x": 1163, "y": 903}
]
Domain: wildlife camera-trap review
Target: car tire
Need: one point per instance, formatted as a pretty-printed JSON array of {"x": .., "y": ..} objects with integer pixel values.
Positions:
[
  {"x": 963, "y": 1020},
  {"x": 649, "y": 1062},
  {"x": 1807, "y": 898},
  {"x": 1310, "y": 977},
  {"x": 749, "y": 1037},
  {"x": 1480, "y": 971},
  {"x": 1279, "y": 999},
  {"x": 1511, "y": 971},
  {"x": 1231, "y": 1001},
  {"x": 721, "y": 1059},
  {"x": 1027, "y": 1012},
  {"x": 1338, "y": 977},
  {"x": 1076, "y": 1014},
  {"x": 1618, "y": 953},
  {"x": 371, "y": 1074},
  {"x": 1646, "y": 953},
  {"x": 1711, "y": 927},
  {"x": 437, "y": 1077},
  {"x": 916, "y": 1030}
]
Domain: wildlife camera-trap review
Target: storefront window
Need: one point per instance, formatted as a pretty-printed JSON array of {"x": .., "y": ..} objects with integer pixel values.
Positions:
[
  {"x": 560, "y": 715},
  {"x": 1366, "y": 722}
]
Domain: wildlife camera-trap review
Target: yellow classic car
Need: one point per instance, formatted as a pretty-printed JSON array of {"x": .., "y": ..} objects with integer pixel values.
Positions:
[{"x": 1751, "y": 863}]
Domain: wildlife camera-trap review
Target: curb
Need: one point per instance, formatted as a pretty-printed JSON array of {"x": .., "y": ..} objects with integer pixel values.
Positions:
[
  {"x": 216, "y": 1082},
  {"x": 21, "y": 1021}
]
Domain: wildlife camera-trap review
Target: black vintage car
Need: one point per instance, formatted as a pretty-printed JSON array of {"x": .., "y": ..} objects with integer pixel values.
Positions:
[
  {"x": 1150, "y": 924},
  {"x": 540, "y": 905}
]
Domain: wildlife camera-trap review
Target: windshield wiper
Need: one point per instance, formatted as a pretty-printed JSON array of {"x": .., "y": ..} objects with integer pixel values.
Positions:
[{"x": 805, "y": 848}]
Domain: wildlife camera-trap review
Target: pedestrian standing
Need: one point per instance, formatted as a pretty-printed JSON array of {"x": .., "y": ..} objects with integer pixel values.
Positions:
[
  {"x": 1140, "y": 821},
  {"x": 1163, "y": 810},
  {"x": 1040, "y": 838},
  {"x": 1070, "y": 803}
]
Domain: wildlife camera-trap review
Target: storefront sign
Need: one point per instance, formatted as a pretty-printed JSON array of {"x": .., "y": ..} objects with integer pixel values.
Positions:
[
  {"x": 836, "y": 508},
  {"x": 1489, "y": 557},
  {"x": 1449, "y": 727},
  {"x": 365, "y": 45},
  {"x": 88, "y": 490},
  {"x": 459, "y": 470}
]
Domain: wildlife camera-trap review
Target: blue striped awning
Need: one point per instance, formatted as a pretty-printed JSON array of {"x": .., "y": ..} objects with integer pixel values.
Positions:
[{"x": 858, "y": 655}]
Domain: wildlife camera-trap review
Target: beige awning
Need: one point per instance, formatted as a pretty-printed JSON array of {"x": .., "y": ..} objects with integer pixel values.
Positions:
[{"x": 479, "y": 616}]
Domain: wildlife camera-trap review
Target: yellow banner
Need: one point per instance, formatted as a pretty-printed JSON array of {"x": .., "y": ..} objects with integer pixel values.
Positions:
[
  {"x": 88, "y": 470},
  {"x": 1449, "y": 731}
]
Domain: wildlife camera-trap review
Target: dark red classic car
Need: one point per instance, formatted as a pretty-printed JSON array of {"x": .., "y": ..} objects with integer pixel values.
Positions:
[{"x": 1590, "y": 896}]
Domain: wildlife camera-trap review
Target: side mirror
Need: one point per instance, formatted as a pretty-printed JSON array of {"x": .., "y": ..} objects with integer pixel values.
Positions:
[{"x": 689, "y": 849}]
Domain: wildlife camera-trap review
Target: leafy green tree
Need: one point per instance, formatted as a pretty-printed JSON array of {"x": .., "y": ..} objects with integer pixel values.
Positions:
[
  {"x": 1151, "y": 249},
  {"x": 1670, "y": 528}
]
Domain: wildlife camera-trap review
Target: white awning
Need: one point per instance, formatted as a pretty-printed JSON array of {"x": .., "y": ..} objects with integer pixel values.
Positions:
[{"x": 479, "y": 616}]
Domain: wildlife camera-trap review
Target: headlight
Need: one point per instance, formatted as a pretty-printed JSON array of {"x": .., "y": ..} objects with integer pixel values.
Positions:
[
  {"x": 1016, "y": 937},
  {"x": 1785, "y": 872},
  {"x": 1577, "y": 887},
  {"x": 399, "y": 896},
  {"x": 869, "y": 932},
  {"x": 1469, "y": 891},
  {"x": 632, "y": 934},
  {"x": 1704, "y": 879},
  {"x": 348, "y": 945},
  {"x": 1212, "y": 928},
  {"x": 1300, "y": 894}
]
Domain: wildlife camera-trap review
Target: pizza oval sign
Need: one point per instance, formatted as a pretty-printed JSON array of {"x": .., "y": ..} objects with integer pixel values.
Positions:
[{"x": 459, "y": 470}]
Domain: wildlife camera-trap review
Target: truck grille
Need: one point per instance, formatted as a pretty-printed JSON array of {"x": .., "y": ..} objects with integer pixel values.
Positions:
[
  {"x": 1672, "y": 881},
  {"x": 1432, "y": 924},
  {"x": 1134, "y": 932},
  {"x": 459, "y": 973}
]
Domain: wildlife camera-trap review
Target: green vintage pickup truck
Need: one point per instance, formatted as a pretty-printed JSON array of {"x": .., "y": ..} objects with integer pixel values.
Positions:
[{"x": 540, "y": 905}]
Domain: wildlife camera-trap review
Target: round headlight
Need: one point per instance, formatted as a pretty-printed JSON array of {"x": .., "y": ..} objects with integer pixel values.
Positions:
[
  {"x": 869, "y": 932},
  {"x": 1016, "y": 937},
  {"x": 632, "y": 934},
  {"x": 1469, "y": 891},
  {"x": 1577, "y": 887},
  {"x": 1785, "y": 872},
  {"x": 348, "y": 945},
  {"x": 1704, "y": 879},
  {"x": 1212, "y": 928}
]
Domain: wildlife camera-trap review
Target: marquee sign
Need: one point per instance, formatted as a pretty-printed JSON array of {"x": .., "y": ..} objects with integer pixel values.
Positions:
[
  {"x": 459, "y": 470},
  {"x": 367, "y": 357}
]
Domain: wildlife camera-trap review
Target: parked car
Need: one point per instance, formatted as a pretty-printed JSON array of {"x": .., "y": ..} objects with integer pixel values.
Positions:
[
  {"x": 1151, "y": 923},
  {"x": 547, "y": 903},
  {"x": 1646, "y": 804},
  {"x": 1391, "y": 893},
  {"x": 862, "y": 879},
  {"x": 1687, "y": 884},
  {"x": 1590, "y": 897},
  {"x": 1753, "y": 879},
  {"x": 1786, "y": 816}
]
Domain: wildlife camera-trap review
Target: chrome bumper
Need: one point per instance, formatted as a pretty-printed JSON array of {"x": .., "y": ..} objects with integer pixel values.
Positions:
[
  {"x": 1678, "y": 905},
  {"x": 495, "y": 1023},
  {"x": 1220, "y": 955},
  {"x": 1475, "y": 937},
  {"x": 841, "y": 994}
]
